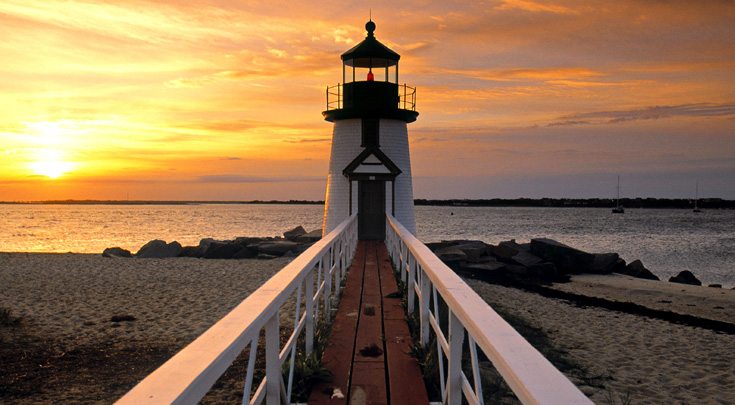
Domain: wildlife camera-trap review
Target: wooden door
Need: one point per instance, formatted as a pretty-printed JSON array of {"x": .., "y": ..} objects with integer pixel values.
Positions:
[{"x": 371, "y": 210}]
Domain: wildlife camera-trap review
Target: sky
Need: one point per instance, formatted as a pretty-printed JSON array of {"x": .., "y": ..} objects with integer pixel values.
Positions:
[{"x": 222, "y": 100}]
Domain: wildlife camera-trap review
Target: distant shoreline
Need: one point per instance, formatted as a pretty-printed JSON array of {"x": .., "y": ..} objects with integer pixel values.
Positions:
[{"x": 668, "y": 203}]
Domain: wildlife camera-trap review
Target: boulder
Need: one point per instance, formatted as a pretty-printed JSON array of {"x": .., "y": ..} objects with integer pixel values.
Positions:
[
  {"x": 159, "y": 249},
  {"x": 294, "y": 233},
  {"x": 473, "y": 250},
  {"x": 526, "y": 259},
  {"x": 484, "y": 271},
  {"x": 246, "y": 240},
  {"x": 638, "y": 270},
  {"x": 203, "y": 246},
  {"x": 685, "y": 277},
  {"x": 506, "y": 249},
  {"x": 277, "y": 247},
  {"x": 190, "y": 251},
  {"x": 605, "y": 263},
  {"x": 247, "y": 252},
  {"x": 566, "y": 258},
  {"x": 434, "y": 246},
  {"x": 116, "y": 252},
  {"x": 310, "y": 237},
  {"x": 222, "y": 250},
  {"x": 451, "y": 255}
]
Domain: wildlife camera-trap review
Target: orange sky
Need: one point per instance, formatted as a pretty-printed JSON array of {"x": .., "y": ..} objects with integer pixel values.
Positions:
[{"x": 222, "y": 100}]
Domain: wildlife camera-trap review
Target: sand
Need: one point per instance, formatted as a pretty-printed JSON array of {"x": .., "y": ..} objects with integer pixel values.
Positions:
[
  {"x": 66, "y": 302},
  {"x": 68, "y": 350},
  {"x": 704, "y": 302},
  {"x": 630, "y": 356}
]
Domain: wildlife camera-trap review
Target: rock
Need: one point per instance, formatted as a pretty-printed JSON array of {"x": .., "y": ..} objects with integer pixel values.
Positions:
[
  {"x": 116, "y": 252},
  {"x": 473, "y": 250},
  {"x": 247, "y": 241},
  {"x": 222, "y": 250},
  {"x": 434, "y": 246},
  {"x": 566, "y": 258},
  {"x": 247, "y": 252},
  {"x": 451, "y": 255},
  {"x": 505, "y": 250},
  {"x": 310, "y": 237},
  {"x": 294, "y": 233},
  {"x": 203, "y": 246},
  {"x": 490, "y": 270},
  {"x": 605, "y": 263},
  {"x": 159, "y": 249},
  {"x": 189, "y": 251},
  {"x": 715, "y": 285},
  {"x": 265, "y": 256},
  {"x": 526, "y": 259},
  {"x": 638, "y": 270},
  {"x": 685, "y": 277},
  {"x": 277, "y": 247}
]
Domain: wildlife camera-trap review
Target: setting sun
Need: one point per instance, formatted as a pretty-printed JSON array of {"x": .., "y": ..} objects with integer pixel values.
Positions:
[{"x": 51, "y": 164}]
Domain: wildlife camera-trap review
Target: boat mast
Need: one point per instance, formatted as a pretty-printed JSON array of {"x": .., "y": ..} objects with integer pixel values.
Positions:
[{"x": 617, "y": 203}]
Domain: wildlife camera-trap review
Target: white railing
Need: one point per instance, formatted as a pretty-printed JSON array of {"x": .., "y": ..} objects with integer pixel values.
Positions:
[
  {"x": 315, "y": 274},
  {"x": 532, "y": 377}
]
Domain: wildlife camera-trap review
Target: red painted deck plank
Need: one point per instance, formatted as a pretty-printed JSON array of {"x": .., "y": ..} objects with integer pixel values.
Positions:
[
  {"x": 370, "y": 279},
  {"x": 406, "y": 383},
  {"x": 342, "y": 336}
]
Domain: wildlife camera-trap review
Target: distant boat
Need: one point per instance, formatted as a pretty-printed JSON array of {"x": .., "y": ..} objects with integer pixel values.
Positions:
[
  {"x": 696, "y": 199},
  {"x": 618, "y": 208}
]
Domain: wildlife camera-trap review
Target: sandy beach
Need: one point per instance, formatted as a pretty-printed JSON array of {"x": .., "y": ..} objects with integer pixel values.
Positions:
[
  {"x": 68, "y": 350},
  {"x": 621, "y": 355}
]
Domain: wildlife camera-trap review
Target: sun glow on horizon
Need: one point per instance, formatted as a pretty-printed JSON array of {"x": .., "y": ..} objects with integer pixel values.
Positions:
[{"x": 50, "y": 163}]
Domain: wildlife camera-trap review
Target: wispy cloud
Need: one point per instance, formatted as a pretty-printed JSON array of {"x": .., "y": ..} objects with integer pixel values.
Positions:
[{"x": 647, "y": 113}]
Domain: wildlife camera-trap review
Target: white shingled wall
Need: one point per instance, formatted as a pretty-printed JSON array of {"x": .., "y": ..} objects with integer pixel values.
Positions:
[{"x": 346, "y": 139}]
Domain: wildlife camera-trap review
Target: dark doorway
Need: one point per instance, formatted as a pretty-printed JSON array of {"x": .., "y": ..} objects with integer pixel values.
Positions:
[{"x": 371, "y": 210}]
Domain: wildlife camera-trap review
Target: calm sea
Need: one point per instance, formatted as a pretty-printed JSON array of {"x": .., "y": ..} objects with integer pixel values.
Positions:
[{"x": 667, "y": 241}]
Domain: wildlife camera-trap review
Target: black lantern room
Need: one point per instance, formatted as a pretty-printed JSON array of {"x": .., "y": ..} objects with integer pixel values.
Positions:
[{"x": 369, "y": 87}]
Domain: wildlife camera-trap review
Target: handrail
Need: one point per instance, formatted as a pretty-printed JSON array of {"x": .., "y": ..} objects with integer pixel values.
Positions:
[
  {"x": 529, "y": 374},
  {"x": 190, "y": 374}
]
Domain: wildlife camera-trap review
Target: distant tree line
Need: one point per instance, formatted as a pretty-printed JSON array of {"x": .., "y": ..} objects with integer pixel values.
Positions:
[{"x": 705, "y": 203}]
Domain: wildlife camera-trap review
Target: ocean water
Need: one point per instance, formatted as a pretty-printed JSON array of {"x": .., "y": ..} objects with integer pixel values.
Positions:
[{"x": 667, "y": 241}]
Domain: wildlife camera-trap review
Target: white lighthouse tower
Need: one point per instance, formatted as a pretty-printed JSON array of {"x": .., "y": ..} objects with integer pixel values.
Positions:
[{"x": 370, "y": 166}]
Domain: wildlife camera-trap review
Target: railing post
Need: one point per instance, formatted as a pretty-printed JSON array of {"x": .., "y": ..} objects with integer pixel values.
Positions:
[
  {"x": 272, "y": 364},
  {"x": 411, "y": 290},
  {"x": 309, "y": 308},
  {"x": 328, "y": 284},
  {"x": 402, "y": 259},
  {"x": 424, "y": 308},
  {"x": 454, "y": 372}
]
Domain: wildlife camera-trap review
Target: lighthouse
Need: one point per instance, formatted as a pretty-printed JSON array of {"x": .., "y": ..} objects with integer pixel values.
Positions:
[{"x": 370, "y": 164}]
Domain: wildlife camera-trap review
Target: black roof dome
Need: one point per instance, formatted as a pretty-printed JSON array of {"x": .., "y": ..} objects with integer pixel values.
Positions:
[{"x": 370, "y": 52}]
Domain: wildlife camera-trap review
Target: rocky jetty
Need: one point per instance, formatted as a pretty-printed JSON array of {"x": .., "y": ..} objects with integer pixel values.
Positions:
[
  {"x": 292, "y": 243},
  {"x": 542, "y": 260}
]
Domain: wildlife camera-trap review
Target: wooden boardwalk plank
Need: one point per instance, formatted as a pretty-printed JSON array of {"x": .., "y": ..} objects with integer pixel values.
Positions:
[
  {"x": 367, "y": 317},
  {"x": 406, "y": 383},
  {"x": 341, "y": 343}
]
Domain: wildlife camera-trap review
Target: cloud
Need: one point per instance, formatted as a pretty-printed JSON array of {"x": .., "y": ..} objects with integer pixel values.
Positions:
[
  {"x": 648, "y": 113},
  {"x": 535, "y": 7},
  {"x": 236, "y": 178}
]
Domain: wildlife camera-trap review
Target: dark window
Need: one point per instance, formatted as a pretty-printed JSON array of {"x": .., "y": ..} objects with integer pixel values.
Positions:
[{"x": 370, "y": 131}]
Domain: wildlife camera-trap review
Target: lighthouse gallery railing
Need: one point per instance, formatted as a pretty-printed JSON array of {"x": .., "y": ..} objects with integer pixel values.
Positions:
[
  {"x": 406, "y": 97},
  {"x": 426, "y": 279},
  {"x": 311, "y": 280}
]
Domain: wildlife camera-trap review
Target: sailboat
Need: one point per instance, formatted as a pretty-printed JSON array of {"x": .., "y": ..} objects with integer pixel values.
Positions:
[
  {"x": 618, "y": 208},
  {"x": 696, "y": 199}
]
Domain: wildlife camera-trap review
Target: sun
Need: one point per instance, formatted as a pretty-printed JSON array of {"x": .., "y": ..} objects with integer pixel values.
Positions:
[{"x": 50, "y": 163}]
